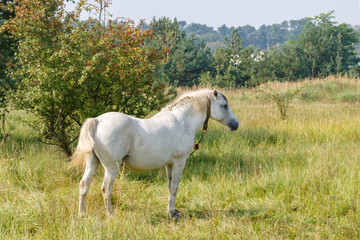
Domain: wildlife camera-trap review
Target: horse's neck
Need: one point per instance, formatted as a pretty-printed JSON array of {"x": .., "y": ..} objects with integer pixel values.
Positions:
[{"x": 191, "y": 118}]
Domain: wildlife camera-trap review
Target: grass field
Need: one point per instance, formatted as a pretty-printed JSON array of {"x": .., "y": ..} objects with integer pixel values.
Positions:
[{"x": 270, "y": 179}]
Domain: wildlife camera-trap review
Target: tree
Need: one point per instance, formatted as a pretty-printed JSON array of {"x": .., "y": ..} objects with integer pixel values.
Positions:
[
  {"x": 198, "y": 29},
  {"x": 166, "y": 34},
  {"x": 166, "y": 37},
  {"x": 182, "y": 24},
  {"x": 188, "y": 61},
  {"x": 71, "y": 69},
  {"x": 224, "y": 31},
  {"x": 187, "y": 57},
  {"x": 323, "y": 48},
  {"x": 232, "y": 62},
  {"x": 7, "y": 46}
]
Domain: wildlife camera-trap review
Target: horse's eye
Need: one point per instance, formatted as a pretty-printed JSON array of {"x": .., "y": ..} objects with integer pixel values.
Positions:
[{"x": 225, "y": 106}]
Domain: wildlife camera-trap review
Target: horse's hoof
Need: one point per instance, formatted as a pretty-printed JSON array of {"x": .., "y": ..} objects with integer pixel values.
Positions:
[{"x": 175, "y": 215}]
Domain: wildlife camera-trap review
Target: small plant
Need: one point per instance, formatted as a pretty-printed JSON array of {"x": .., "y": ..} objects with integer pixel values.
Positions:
[{"x": 281, "y": 97}]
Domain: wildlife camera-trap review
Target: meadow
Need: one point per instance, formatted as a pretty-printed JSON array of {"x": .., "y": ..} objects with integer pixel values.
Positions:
[{"x": 270, "y": 179}]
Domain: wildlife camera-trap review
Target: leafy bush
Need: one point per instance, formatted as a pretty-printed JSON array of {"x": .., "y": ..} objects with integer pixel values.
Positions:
[
  {"x": 71, "y": 69},
  {"x": 282, "y": 97}
]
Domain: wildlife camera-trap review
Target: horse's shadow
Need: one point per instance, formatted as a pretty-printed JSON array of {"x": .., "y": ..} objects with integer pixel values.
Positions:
[
  {"x": 207, "y": 214},
  {"x": 211, "y": 213},
  {"x": 206, "y": 165},
  {"x": 154, "y": 176}
]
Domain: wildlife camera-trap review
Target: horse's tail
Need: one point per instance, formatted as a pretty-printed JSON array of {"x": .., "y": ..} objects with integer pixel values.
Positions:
[{"x": 85, "y": 144}]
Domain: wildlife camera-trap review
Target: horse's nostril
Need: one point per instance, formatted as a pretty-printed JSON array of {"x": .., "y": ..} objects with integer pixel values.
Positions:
[{"x": 234, "y": 125}]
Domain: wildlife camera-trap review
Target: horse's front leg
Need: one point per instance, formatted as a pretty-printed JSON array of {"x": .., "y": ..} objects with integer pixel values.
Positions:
[
  {"x": 168, "y": 169},
  {"x": 174, "y": 173}
]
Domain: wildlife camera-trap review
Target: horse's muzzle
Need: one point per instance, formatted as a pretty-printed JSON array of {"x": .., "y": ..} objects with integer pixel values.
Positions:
[{"x": 233, "y": 125}]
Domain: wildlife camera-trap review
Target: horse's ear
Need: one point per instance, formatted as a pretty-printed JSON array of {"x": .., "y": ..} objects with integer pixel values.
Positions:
[{"x": 215, "y": 93}]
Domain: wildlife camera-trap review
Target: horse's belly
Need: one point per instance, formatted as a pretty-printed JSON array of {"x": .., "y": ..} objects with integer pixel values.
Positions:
[
  {"x": 143, "y": 163},
  {"x": 156, "y": 151}
]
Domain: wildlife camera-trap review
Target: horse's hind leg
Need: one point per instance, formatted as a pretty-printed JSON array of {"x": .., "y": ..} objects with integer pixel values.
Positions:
[
  {"x": 109, "y": 179},
  {"x": 92, "y": 163}
]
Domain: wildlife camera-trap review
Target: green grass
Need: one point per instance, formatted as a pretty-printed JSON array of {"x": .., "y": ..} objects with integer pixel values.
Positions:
[{"x": 270, "y": 179}]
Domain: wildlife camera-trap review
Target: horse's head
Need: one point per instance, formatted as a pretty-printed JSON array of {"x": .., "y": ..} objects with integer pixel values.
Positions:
[{"x": 221, "y": 112}]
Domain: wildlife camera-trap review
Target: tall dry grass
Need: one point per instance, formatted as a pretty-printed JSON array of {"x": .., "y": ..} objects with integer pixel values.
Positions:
[{"x": 271, "y": 179}]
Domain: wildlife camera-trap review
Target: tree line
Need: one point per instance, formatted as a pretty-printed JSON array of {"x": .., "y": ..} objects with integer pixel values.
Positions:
[
  {"x": 64, "y": 70},
  {"x": 323, "y": 48},
  {"x": 263, "y": 37}
]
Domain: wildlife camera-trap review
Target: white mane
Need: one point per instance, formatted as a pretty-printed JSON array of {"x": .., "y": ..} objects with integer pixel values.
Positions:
[{"x": 199, "y": 99}]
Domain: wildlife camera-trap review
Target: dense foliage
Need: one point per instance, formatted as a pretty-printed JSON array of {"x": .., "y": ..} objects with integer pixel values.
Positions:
[
  {"x": 7, "y": 46},
  {"x": 232, "y": 62},
  {"x": 187, "y": 59},
  {"x": 71, "y": 69},
  {"x": 322, "y": 48}
]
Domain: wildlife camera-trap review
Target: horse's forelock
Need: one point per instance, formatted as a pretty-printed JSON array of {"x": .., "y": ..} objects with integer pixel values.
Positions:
[{"x": 223, "y": 96}]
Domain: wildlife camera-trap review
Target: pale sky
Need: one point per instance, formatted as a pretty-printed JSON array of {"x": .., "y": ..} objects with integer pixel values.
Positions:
[{"x": 236, "y": 13}]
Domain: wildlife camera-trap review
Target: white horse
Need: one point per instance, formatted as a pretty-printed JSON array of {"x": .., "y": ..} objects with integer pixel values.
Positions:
[{"x": 166, "y": 139}]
